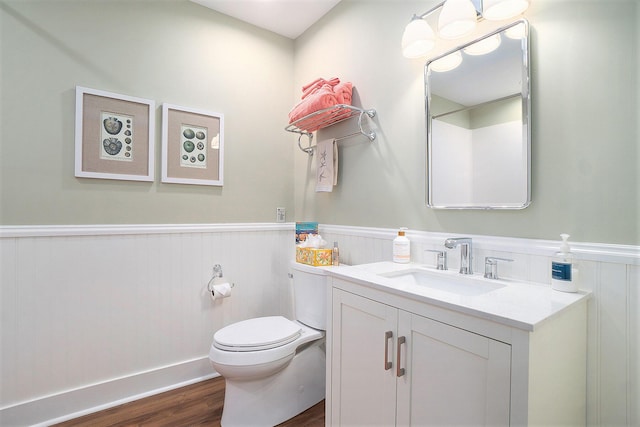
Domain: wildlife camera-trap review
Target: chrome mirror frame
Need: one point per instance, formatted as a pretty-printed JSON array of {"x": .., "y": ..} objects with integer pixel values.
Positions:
[{"x": 526, "y": 122}]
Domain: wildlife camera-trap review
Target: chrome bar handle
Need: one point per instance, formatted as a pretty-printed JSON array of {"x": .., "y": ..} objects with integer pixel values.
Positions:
[
  {"x": 491, "y": 266},
  {"x": 309, "y": 148},
  {"x": 387, "y": 336},
  {"x": 400, "y": 371},
  {"x": 371, "y": 134},
  {"x": 441, "y": 260}
]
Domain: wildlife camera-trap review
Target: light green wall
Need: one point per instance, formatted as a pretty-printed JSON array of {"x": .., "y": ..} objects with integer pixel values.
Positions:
[
  {"x": 507, "y": 110},
  {"x": 584, "y": 57},
  {"x": 440, "y": 105},
  {"x": 585, "y": 54},
  {"x": 169, "y": 51},
  {"x": 492, "y": 113}
]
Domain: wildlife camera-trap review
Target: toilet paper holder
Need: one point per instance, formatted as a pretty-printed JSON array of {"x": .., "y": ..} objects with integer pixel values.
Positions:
[
  {"x": 217, "y": 271},
  {"x": 216, "y": 279}
]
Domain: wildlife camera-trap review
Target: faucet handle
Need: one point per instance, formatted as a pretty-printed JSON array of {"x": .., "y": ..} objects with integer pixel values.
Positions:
[
  {"x": 491, "y": 266},
  {"x": 441, "y": 260}
]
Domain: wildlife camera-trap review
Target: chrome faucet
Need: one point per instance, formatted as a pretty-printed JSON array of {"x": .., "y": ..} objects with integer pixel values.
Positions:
[{"x": 466, "y": 252}]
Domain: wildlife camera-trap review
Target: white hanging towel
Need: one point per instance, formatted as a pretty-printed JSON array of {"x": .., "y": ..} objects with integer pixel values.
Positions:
[{"x": 327, "y": 165}]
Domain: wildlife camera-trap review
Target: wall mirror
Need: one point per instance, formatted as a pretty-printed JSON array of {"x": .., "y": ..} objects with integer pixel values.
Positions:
[{"x": 479, "y": 124}]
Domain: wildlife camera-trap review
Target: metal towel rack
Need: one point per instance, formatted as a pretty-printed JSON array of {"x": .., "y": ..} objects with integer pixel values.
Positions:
[{"x": 320, "y": 119}]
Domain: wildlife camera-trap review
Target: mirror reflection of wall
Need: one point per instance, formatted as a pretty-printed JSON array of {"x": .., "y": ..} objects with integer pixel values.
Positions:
[{"x": 478, "y": 146}]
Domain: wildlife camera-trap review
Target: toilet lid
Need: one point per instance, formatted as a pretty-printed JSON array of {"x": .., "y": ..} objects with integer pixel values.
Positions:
[{"x": 260, "y": 333}]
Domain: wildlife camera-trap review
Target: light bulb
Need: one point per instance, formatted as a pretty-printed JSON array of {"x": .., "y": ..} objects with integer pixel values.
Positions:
[
  {"x": 496, "y": 10},
  {"x": 457, "y": 19},
  {"x": 483, "y": 46},
  {"x": 418, "y": 38},
  {"x": 516, "y": 32},
  {"x": 446, "y": 63}
]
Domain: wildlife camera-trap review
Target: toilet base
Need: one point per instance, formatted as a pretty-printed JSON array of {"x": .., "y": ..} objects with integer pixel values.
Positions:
[{"x": 279, "y": 397}]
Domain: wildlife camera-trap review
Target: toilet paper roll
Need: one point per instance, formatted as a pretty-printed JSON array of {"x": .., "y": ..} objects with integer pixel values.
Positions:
[{"x": 221, "y": 290}]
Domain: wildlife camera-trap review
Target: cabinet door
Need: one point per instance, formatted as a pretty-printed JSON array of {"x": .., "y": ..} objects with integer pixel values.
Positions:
[
  {"x": 452, "y": 376},
  {"x": 363, "y": 387}
]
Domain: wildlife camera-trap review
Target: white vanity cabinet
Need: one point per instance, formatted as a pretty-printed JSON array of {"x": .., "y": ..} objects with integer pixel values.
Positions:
[
  {"x": 393, "y": 360},
  {"x": 395, "y": 367}
]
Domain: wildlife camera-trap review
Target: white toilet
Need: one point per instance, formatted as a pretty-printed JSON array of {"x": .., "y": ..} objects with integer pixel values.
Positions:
[{"x": 274, "y": 368}]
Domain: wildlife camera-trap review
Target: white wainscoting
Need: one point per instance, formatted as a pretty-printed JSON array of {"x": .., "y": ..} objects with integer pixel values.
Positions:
[
  {"x": 92, "y": 316},
  {"x": 98, "y": 315},
  {"x": 611, "y": 272}
]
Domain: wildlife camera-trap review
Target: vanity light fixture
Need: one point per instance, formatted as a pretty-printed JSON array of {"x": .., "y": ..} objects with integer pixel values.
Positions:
[
  {"x": 457, "y": 18},
  {"x": 516, "y": 32},
  {"x": 418, "y": 37},
  {"x": 496, "y": 10},
  {"x": 484, "y": 46},
  {"x": 446, "y": 63}
]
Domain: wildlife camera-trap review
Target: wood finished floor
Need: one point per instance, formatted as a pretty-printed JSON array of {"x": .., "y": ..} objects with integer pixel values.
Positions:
[{"x": 198, "y": 404}]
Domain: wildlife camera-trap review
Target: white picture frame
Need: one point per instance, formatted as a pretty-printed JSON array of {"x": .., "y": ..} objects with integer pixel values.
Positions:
[
  {"x": 114, "y": 136},
  {"x": 192, "y": 146}
]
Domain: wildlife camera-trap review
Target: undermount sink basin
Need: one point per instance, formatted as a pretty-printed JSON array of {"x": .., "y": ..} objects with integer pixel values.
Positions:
[{"x": 452, "y": 283}]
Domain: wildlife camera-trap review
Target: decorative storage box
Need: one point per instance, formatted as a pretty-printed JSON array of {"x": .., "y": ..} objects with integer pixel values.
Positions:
[{"x": 313, "y": 256}]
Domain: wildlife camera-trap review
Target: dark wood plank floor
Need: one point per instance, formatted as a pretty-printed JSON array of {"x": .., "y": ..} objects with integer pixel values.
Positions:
[{"x": 198, "y": 404}]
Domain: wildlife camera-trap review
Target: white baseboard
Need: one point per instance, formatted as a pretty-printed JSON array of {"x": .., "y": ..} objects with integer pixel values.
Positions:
[{"x": 75, "y": 403}]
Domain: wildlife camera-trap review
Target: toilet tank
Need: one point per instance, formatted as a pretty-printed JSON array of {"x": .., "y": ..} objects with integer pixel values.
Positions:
[{"x": 310, "y": 289}]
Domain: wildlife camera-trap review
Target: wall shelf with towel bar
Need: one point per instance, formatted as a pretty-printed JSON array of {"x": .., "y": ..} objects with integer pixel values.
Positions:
[{"x": 320, "y": 119}]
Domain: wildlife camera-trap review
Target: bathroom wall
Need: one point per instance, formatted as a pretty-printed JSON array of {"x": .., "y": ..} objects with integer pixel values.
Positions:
[
  {"x": 177, "y": 52},
  {"x": 584, "y": 112},
  {"x": 488, "y": 165},
  {"x": 93, "y": 316},
  {"x": 451, "y": 191}
]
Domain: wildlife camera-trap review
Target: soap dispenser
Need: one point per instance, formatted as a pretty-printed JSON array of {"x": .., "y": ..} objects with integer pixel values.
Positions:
[
  {"x": 335, "y": 255},
  {"x": 564, "y": 275},
  {"x": 401, "y": 247}
]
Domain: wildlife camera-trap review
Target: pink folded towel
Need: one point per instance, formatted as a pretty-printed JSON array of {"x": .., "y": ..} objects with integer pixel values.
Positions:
[
  {"x": 318, "y": 95},
  {"x": 323, "y": 98},
  {"x": 320, "y": 120},
  {"x": 343, "y": 92},
  {"x": 315, "y": 122},
  {"x": 312, "y": 87}
]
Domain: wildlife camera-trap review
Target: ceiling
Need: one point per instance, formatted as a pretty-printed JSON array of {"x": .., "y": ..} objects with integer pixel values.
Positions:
[{"x": 289, "y": 18}]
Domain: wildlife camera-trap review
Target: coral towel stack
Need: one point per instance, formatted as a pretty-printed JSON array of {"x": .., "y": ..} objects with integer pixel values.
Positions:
[{"x": 319, "y": 95}]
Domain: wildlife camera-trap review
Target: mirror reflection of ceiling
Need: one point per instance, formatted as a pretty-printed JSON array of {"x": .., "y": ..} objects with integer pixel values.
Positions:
[{"x": 482, "y": 78}]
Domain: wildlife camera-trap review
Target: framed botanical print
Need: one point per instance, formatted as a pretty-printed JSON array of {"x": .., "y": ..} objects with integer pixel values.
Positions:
[
  {"x": 114, "y": 136},
  {"x": 192, "y": 146}
]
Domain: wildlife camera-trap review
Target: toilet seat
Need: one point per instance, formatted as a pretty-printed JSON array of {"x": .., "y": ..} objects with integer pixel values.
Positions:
[
  {"x": 257, "y": 334},
  {"x": 252, "y": 358}
]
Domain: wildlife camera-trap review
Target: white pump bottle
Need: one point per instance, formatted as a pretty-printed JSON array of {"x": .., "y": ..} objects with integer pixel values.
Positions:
[
  {"x": 401, "y": 247},
  {"x": 564, "y": 274}
]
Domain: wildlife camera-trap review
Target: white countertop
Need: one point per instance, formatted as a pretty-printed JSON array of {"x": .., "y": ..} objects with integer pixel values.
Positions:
[{"x": 513, "y": 303}]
